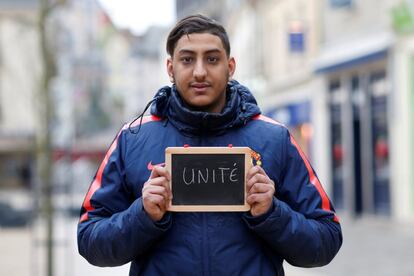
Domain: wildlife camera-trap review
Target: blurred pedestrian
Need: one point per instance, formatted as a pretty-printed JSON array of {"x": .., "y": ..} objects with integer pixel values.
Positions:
[{"x": 124, "y": 216}]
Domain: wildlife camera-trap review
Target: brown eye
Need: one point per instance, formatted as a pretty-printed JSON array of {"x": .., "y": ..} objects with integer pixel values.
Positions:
[
  {"x": 212, "y": 59},
  {"x": 186, "y": 60}
]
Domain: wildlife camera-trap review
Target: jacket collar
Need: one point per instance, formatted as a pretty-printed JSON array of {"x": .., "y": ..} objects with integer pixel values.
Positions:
[{"x": 240, "y": 107}]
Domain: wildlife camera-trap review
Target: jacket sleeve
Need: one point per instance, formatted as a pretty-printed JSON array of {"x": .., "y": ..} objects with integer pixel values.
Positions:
[
  {"x": 301, "y": 226},
  {"x": 114, "y": 228}
]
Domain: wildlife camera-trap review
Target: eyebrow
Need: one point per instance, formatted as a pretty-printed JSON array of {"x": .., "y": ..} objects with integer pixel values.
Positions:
[{"x": 188, "y": 51}]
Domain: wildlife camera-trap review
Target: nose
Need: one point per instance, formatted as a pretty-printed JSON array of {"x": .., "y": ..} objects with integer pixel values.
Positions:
[{"x": 199, "y": 71}]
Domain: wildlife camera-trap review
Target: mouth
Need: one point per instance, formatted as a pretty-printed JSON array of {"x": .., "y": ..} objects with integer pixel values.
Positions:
[{"x": 200, "y": 86}]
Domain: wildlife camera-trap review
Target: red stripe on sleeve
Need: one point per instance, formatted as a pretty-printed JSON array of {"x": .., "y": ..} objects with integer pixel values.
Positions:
[
  {"x": 146, "y": 119},
  {"x": 97, "y": 182},
  {"x": 84, "y": 217},
  {"x": 314, "y": 180},
  {"x": 266, "y": 119}
]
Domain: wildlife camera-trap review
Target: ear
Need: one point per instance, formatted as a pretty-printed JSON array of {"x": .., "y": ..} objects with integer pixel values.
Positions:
[
  {"x": 170, "y": 69},
  {"x": 232, "y": 67}
]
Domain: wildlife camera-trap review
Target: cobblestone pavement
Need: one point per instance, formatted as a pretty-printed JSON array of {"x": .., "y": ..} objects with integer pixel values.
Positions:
[{"x": 372, "y": 246}]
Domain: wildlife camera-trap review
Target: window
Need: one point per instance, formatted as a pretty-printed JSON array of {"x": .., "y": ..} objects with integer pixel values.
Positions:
[
  {"x": 296, "y": 37},
  {"x": 340, "y": 3}
]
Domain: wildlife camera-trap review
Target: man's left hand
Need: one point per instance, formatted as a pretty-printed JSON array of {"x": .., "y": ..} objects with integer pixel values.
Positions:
[{"x": 260, "y": 191}]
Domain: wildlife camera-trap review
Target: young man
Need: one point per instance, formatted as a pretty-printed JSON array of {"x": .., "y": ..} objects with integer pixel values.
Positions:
[{"x": 124, "y": 217}]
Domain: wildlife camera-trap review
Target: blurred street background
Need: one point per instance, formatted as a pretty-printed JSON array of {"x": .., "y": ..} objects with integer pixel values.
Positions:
[{"x": 338, "y": 73}]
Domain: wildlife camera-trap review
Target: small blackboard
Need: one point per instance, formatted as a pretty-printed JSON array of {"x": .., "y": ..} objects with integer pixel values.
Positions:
[{"x": 208, "y": 178}]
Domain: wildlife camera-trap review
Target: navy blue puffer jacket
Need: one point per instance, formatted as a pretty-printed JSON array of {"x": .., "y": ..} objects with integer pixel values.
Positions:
[{"x": 301, "y": 227}]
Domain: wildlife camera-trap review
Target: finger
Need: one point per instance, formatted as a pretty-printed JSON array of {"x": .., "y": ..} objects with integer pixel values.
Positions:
[
  {"x": 163, "y": 204},
  {"x": 159, "y": 181},
  {"x": 261, "y": 188},
  {"x": 156, "y": 190},
  {"x": 160, "y": 171},
  {"x": 256, "y": 170},
  {"x": 257, "y": 178},
  {"x": 260, "y": 170},
  {"x": 157, "y": 200},
  {"x": 252, "y": 171},
  {"x": 258, "y": 198}
]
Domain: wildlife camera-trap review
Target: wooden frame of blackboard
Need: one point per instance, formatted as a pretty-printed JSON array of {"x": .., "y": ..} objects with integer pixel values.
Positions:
[{"x": 246, "y": 151}]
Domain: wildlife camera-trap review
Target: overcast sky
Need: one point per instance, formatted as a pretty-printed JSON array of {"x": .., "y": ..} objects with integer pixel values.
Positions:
[{"x": 138, "y": 15}]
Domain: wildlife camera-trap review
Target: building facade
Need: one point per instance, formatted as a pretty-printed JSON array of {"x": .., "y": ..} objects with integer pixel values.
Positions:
[
  {"x": 275, "y": 43},
  {"x": 19, "y": 75},
  {"x": 338, "y": 74},
  {"x": 94, "y": 85},
  {"x": 365, "y": 65}
]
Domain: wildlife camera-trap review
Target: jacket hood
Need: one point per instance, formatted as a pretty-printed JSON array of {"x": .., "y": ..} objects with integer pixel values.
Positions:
[{"x": 240, "y": 107}]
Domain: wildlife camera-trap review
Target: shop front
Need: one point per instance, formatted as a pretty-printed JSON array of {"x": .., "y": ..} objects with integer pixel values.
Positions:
[{"x": 359, "y": 90}]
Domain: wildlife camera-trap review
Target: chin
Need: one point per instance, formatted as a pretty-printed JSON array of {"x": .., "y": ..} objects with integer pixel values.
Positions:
[{"x": 199, "y": 103}]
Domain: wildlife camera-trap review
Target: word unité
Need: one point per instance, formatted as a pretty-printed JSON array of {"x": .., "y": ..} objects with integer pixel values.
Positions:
[{"x": 208, "y": 175}]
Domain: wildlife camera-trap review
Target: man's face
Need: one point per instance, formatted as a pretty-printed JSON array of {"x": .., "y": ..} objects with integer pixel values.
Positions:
[{"x": 201, "y": 69}]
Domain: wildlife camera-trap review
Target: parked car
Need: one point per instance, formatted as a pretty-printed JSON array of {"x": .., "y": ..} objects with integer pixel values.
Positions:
[{"x": 10, "y": 217}]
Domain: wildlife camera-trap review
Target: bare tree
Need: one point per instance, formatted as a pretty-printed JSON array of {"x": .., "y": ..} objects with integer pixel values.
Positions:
[{"x": 43, "y": 135}]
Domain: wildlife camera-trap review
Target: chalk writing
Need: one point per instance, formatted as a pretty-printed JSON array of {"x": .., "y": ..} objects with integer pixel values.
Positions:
[{"x": 206, "y": 175}]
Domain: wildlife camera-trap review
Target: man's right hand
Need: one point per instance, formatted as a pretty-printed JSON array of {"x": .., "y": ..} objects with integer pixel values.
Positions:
[{"x": 156, "y": 193}]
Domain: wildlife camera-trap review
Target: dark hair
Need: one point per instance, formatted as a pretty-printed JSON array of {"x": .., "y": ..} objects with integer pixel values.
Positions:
[{"x": 197, "y": 24}]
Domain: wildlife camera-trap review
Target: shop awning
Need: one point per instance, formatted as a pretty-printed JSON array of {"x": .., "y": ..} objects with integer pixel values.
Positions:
[{"x": 353, "y": 52}]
